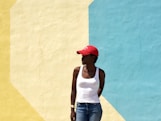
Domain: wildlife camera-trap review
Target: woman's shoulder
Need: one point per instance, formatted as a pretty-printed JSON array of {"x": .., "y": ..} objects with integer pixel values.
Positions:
[
  {"x": 76, "y": 69},
  {"x": 101, "y": 71}
]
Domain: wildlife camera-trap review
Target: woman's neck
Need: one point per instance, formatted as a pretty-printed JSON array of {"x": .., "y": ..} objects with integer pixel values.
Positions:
[{"x": 90, "y": 67}]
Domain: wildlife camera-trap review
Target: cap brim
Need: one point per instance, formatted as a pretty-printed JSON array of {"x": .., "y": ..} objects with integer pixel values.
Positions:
[
  {"x": 78, "y": 52},
  {"x": 82, "y": 52}
]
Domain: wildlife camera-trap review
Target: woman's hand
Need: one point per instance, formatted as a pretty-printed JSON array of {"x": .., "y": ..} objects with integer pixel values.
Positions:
[{"x": 73, "y": 116}]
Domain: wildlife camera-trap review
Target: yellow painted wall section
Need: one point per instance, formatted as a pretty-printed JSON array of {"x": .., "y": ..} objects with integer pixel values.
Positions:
[
  {"x": 44, "y": 38},
  {"x": 13, "y": 106},
  {"x": 109, "y": 112},
  {"x": 5, "y": 39}
]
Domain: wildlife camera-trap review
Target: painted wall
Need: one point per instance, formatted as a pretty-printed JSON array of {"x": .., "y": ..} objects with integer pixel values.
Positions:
[
  {"x": 38, "y": 40},
  {"x": 38, "y": 43},
  {"x": 128, "y": 35}
]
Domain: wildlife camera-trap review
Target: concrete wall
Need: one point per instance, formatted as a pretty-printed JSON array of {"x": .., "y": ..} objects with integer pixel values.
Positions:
[
  {"x": 38, "y": 40},
  {"x": 128, "y": 34},
  {"x": 38, "y": 43}
]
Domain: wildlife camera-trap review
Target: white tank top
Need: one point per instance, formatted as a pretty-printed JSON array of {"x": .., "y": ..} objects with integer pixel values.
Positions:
[{"x": 87, "y": 88}]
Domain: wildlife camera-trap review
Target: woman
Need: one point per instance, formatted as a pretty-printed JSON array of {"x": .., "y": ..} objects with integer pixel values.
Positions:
[{"x": 87, "y": 86}]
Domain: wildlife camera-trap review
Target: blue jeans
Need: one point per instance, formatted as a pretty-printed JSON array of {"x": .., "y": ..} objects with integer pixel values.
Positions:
[{"x": 88, "y": 112}]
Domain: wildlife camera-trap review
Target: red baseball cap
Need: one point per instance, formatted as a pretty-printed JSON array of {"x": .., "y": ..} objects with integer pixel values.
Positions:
[{"x": 90, "y": 49}]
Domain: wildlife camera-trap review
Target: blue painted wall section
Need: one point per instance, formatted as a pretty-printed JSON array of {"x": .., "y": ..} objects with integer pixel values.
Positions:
[{"x": 128, "y": 35}]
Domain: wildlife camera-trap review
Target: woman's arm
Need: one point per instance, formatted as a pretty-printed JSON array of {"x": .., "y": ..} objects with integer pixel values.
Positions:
[
  {"x": 73, "y": 93},
  {"x": 102, "y": 81}
]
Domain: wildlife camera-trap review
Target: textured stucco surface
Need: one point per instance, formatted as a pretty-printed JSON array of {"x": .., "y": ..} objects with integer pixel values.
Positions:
[
  {"x": 128, "y": 34},
  {"x": 38, "y": 43},
  {"x": 13, "y": 106},
  {"x": 44, "y": 38}
]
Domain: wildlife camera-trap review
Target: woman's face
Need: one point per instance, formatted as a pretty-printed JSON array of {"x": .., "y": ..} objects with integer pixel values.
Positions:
[{"x": 87, "y": 59}]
